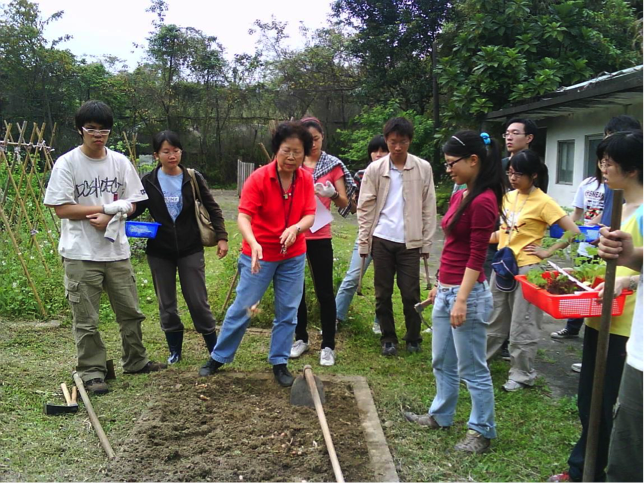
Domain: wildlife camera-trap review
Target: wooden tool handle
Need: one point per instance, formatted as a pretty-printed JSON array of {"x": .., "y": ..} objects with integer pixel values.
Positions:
[
  {"x": 102, "y": 437},
  {"x": 74, "y": 395},
  {"x": 428, "y": 285},
  {"x": 337, "y": 471},
  {"x": 68, "y": 398}
]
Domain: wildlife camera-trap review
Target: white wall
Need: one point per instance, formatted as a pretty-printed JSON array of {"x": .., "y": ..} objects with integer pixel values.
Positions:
[{"x": 576, "y": 127}]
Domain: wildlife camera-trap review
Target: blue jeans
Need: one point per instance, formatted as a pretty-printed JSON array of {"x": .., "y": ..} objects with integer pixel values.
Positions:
[
  {"x": 349, "y": 285},
  {"x": 288, "y": 280},
  {"x": 460, "y": 354}
]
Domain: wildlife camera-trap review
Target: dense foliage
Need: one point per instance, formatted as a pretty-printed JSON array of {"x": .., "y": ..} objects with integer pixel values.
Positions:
[{"x": 372, "y": 60}]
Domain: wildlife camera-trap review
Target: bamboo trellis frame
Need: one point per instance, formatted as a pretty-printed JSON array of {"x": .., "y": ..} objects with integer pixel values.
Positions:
[{"x": 19, "y": 192}]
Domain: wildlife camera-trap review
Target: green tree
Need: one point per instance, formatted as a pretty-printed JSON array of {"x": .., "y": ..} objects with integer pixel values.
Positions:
[
  {"x": 392, "y": 42},
  {"x": 497, "y": 52}
]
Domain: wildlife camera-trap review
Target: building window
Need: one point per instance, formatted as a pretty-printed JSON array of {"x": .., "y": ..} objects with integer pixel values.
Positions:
[
  {"x": 591, "y": 154},
  {"x": 565, "y": 161}
]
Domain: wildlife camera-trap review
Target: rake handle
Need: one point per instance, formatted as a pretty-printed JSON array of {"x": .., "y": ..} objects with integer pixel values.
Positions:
[
  {"x": 362, "y": 263},
  {"x": 337, "y": 471}
]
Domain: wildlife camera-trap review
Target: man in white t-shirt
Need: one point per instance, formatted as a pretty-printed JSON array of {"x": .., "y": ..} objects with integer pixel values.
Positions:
[
  {"x": 92, "y": 189},
  {"x": 625, "y": 453}
]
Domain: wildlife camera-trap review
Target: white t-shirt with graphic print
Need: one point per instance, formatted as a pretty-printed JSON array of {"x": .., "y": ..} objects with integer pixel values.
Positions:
[
  {"x": 590, "y": 198},
  {"x": 79, "y": 179}
]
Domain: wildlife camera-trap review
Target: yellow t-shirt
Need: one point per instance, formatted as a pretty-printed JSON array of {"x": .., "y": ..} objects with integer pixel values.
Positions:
[
  {"x": 536, "y": 212},
  {"x": 621, "y": 325}
]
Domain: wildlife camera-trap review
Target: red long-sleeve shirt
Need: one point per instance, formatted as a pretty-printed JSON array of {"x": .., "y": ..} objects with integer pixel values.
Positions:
[{"x": 466, "y": 245}]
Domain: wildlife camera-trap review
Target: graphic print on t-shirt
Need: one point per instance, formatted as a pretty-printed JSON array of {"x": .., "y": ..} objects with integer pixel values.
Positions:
[{"x": 97, "y": 187}]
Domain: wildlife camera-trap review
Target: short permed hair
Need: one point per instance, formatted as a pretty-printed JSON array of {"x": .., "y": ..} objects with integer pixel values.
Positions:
[
  {"x": 292, "y": 129},
  {"x": 621, "y": 123},
  {"x": 94, "y": 111},
  {"x": 400, "y": 126}
]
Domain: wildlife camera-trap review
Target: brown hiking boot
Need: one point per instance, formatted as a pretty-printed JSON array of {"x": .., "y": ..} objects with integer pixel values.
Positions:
[
  {"x": 425, "y": 420},
  {"x": 150, "y": 367},
  {"x": 474, "y": 442},
  {"x": 96, "y": 386}
]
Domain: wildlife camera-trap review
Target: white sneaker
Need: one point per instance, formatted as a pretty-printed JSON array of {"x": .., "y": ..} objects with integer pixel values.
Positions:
[
  {"x": 299, "y": 347},
  {"x": 327, "y": 357},
  {"x": 576, "y": 367},
  {"x": 376, "y": 328}
]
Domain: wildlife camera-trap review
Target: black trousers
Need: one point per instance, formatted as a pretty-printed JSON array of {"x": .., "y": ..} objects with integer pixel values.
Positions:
[
  {"x": 614, "y": 367},
  {"x": 192, "y": 277},
  {"x": 320, "y": 256},
  {"x": 391, "y": 259}
]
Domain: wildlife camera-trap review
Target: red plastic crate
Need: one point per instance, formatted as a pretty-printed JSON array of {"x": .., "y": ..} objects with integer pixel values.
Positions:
[{"x": 570, "y": 306}]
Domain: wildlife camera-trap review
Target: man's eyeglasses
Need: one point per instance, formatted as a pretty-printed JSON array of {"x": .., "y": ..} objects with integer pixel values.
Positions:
[
  {"x": 97, "y": 132},
  {"x": 512, "y": 133},
  {"x": 451, "y": 164},
  {"x": 514, "y": 174},
  {"x": 402, "y": 144}
]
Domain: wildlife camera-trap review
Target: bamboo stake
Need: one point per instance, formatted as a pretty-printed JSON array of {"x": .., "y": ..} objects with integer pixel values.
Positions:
[
  {"x": 592, "y": 440},
  {"x": 22, "y": 262},
  {"x": 32, "y": 232}
]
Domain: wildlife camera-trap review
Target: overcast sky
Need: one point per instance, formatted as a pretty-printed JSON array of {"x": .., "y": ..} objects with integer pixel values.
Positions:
[{"x": 110, "y": 27}]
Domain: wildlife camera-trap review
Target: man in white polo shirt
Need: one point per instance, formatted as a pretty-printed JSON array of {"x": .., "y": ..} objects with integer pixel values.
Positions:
[{"x": 397, "y": 219}]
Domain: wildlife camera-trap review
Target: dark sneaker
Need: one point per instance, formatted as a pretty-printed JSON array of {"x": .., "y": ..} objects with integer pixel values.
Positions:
[
  {"x": 210, "y": 367},
  {"x": 474, "y": 442},
  {"x": 174, "y": 358},
  {"x": 505, "y": 354},
  {"x": 413, "y": 347},
  {"x": 424, "y": 420},
  {"x": 96, "y": 386},
  {"x": 389, "y": 349},
  {"x": 282, "y": 375},
  {"x": 150, "y": 367},
  {"x": 564, "y": 334}
]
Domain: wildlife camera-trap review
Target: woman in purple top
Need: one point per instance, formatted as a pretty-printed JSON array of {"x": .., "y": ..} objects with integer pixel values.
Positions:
[{"x": 462, "y": 299}]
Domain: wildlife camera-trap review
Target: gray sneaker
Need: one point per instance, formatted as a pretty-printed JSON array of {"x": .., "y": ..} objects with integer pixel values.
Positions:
[
  {"x": 376, "y": 328},
  {"x": 474, "y": 443},
  {"x": 389, "y": 349},
  {"x": 512, "y": 386},
  {"x": 425, "y": 420}
]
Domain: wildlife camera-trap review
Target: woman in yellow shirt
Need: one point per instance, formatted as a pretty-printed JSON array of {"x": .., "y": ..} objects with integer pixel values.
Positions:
[
  {"x": 621, "y": 163},
  {"x": 528, "y": 212}
]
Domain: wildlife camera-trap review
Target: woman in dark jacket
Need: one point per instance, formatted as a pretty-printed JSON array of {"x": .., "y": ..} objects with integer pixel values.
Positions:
[{"x": 178, "y": 243}]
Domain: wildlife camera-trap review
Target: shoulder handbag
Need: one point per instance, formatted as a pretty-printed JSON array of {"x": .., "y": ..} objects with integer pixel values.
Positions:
[{"x": 208, "y": 238}]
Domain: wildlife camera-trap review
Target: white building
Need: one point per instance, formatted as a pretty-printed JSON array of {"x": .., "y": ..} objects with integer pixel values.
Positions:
[{"x": 571, "y": 124}]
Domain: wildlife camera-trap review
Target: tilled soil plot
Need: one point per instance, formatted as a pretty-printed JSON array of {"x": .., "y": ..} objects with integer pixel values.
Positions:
[{"x": 240, "y": 428}]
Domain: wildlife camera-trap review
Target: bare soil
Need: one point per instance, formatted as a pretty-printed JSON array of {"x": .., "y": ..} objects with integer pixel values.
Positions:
[{"x": 233, "y": 427}]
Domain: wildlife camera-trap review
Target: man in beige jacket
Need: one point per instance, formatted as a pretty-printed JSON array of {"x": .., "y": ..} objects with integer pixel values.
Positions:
[{"x": 397, "y": 220}]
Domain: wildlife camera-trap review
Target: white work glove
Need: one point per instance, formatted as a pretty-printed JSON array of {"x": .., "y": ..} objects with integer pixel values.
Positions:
[
  {"x": 326, "y": 190},
  {"x": 118, "y": 206}
]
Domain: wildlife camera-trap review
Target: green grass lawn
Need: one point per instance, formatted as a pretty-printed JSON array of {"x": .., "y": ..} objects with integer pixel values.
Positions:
[{"x": 535, "y": 432}]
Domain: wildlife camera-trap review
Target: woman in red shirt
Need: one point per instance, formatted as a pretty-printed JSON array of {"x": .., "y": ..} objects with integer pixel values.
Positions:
[
  {"x": 333, "y": 185},
  {"x": 277, "y": 206},
  {"x": 462, "y": 299}
]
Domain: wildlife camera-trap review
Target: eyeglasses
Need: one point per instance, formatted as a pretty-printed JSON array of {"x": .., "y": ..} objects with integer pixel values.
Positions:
[
  {"x": 402, "y": 144},
  {"x": 514, "y": 174},
  {"x": 451, "y": 164},
  {"x": 99, "y": 132},
  {"x": 512, "y": 133},
  {"x": 291, "y": 154},
  {"x": 176, "y": 152}
]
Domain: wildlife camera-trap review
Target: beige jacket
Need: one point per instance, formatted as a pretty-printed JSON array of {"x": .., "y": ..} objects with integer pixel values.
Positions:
[{"x": 419, "y": 196}]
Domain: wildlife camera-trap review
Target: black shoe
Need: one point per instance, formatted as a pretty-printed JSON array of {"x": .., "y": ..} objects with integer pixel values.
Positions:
[
  {"x": 413, "y": 347},
  {"x": 505, "y": 354},
  {"x": 210, "y": 367},
  {"x": 210, "y": 340},
  {"x": 96, "y": 386},
  {"x": 175, "y": 343},
  {"x": 282, "y": 375},
  {"x": 149, "y": 367},
  {"x": 389, "y": 349}
]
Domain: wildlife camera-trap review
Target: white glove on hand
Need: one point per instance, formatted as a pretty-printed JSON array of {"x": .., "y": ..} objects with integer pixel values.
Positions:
[
  {"x": 118, "y": 206},
  {"x": 326, "y": 190}
]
